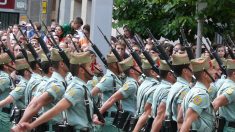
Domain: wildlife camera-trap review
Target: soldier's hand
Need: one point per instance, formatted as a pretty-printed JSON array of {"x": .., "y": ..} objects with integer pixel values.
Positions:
[
  {"x": 96, "y": 120},
  {"x": 17, "y": 128},
  {"x": 26, "y": 126}
]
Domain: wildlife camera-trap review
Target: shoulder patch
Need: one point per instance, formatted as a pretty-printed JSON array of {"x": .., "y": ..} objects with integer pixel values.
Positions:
[
  {"x": 55, "y": 88},
  {"x": 102, "y": 79},
  {"x": 229, "y": 91},
  {"x": 71, "y": 92},
  {"x": 209, "y": 90},
  {"x": 182, "y": 95},
  {"x": 125, "y": 86},
  {"x": 94, "y": 82},
  {"x": 197, "y": 100},
  {"x": 17, "y": 89}
]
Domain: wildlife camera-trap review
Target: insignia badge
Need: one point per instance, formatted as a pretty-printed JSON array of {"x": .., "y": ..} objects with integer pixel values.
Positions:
[
  {"x": 229, "y": 91},
  {"x": 55, "y": 88},
  {"x": 125, "y": 86},
  {"x": 182, "y": 95},
  {"x": 209, "y": 90},
  {"x": 197, "y": 100},
  {"x": 71, "y": 92},
  {"x": 102, "y": 79},
  {"x": 17, "y": 89}
]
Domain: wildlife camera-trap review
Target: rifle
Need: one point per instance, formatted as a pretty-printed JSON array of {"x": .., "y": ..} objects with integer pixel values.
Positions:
[
  {"x": 23, "y": 51},
  {"x": 133, "y": 53},
  {"x": 31, "y": 49},
  {"x": 186, "y": 45},
  {"x": 61, "y": 51},
  {"x": 146, "y": 54},
  {"x": 162, "y": 52},
  {"x": 41, "y": 42},
  {"x": 216, "y": 56},
  {"x": 112, "y": 49},
  {"x": 74, "y": 44},
  {"x": 7, "y": 50},
  {"x": 229, "y": 47},
  {"x": 97, "y": 51}
]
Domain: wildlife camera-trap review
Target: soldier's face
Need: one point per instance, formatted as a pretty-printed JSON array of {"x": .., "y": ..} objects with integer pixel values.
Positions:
[
  {"x": 88, "y": 73},
  {"x": 212, "y": 72}
]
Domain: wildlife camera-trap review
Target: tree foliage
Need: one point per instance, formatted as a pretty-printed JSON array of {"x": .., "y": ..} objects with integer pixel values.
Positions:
[{"x": 165, "y": 17}]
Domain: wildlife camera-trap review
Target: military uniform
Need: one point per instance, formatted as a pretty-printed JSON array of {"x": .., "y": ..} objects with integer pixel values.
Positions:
[
  {"x": 178, "y": 90},
  {"x": 5, "y": 87},
  {"x": 198, "y": 100},
  {"x": 107, "y": 88},
  {"x": 227, "y": 89}
]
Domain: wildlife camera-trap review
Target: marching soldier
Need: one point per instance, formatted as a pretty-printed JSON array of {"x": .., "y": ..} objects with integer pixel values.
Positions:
[
  {"x": 5, "y": 88},
  {"x": 197, "y": 109},
  {"x": 76, "y": 100},
  {"x": 224, "y": 102},
  {"x": 179, "y": 89},
  {"x": 160, "y": 96},
  {"x": 108, "y": 85},
  {"x": 53, "y": 91},
  {"x": 126, "y": 94},
  {"x": 144, "y": 94}
]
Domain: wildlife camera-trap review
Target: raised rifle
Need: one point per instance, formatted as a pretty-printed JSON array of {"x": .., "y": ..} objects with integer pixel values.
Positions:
[
  {"x": 97, "y": 51},
  {"x": 133, "y": 53},
  {"x": 31, "y": 49},
  {"x": 162, "y": 52},
  {"x": 61, "y": 51},
  {"x": 7, "y": 50},
  {"x": 146, "y": 54},
  {"x": 112, "y": 48},
  {"x": 41, "y": 41},
  {"x": 216, "y": 56},
  {"x": 186, "y": 45}
]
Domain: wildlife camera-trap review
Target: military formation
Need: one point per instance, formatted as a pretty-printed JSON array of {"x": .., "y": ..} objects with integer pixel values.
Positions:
[{"x": 51, "y": 82}]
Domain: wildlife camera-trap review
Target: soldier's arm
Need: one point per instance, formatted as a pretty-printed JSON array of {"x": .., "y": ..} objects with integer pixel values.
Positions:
[
  {"x": 180, "y": 118},
  {"x": 219, "y": 101},
  {"x": 157, "y": 123},
  {"x": 143, "y": 118},
  {"x": 9, "y": 99},
  {"x": 57, "y": 109},
  {"x": 191, "y": 116},
  {"x": 109, "y": 103},
  {"x": 35, "y": 105},
  {"x": 95, "y": 91}
]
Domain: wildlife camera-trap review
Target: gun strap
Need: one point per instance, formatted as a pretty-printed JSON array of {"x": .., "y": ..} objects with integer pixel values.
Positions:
[
  {"x": 86, "y": 101},
  {"x": 118, "y": 105},
  {"x": 142, "y": 97}
]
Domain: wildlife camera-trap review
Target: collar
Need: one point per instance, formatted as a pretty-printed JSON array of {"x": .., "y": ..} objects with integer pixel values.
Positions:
[
  {"x": 182, "y": 80},
  {"x": 79, "y": 80},
  {"x": 57, "y": 76},
  {"x": 166, "y": 82},
  {"x": 200, "y": 85}
]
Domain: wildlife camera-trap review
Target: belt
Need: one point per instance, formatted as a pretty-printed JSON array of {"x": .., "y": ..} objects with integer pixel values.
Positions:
[
  {"x": 231, "y": 124},
  {"x": 110, "y": 114},
  {"x": 6, "y": 110}
]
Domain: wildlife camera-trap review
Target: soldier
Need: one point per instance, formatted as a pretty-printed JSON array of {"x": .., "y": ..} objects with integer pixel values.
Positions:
[
  {"x": 5, "y": 88},
  {"x": 76, "y": 100},
  {"x": 127, "y": 93},
  {"x": 196, "y": 107},
  {"x": 144, "y": 94},
  {"x": 108, "y": 85},
  {"x": 53, "y": 91},
  {"x": 17, "y": 95},
  {"x": 179, "y": 89},
  {"x": 160, "y": 96},
  {"x": 35, "y": 79},
  {"x": 225, "y": 98}
]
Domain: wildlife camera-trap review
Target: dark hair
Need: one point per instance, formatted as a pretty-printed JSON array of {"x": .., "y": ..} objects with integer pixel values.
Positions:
[
  {"x": 163, "y": 73},
  {"x": 1, "y": 67},
  {"x": 198, "y": 75},
  {"x": 38, "y": 25},
  {"x": 86, "y": 27},
  {"x": 230, "y": 72},
  {"x": 74, "y": 69},
  {"x": 127, "y": 72},
  {"x": 20, "y": 72},
  {"x": 55, "y": 64},
  {"x": 45, "y": 66},
  {"x": 78, "y": 20},
  {"x": 33, "y": 65},
  {"x": 179, "y": 68}
]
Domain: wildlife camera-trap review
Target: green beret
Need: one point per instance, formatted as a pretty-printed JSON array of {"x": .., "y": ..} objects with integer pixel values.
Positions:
[
  {"x": 4, "y": 59},
  {"x": 80, "y": 58},
  {"x": 200, "y": 64},
  {"x": 21, "y": 64},
  {"x": 180, "y": 59},
  {"x": 127, "y": 63}
]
